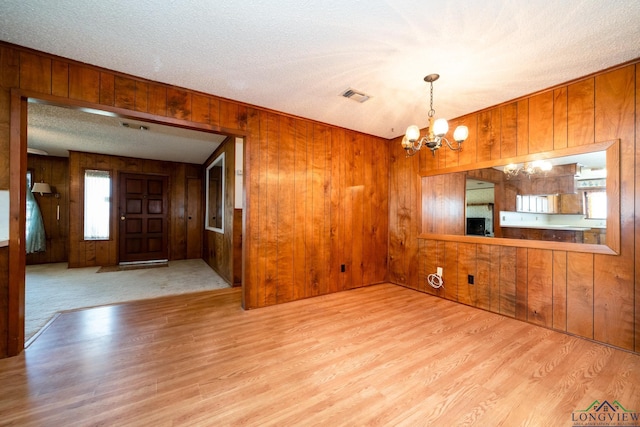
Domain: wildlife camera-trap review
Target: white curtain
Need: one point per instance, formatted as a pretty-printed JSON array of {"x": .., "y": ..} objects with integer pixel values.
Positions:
[{"x": 36, "y": 237}]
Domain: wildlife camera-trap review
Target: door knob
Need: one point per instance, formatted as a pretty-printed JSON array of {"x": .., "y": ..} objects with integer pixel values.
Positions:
[{"x": 122, "y": 217}]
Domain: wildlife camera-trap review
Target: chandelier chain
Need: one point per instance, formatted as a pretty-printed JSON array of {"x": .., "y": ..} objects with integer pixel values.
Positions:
[{"x": 432, "y": 112}]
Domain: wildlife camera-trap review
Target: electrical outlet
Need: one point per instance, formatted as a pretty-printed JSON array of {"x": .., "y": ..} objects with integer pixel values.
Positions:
[
  {"x": 439, "y": 271},
  {"x": 470, "y": 279}
]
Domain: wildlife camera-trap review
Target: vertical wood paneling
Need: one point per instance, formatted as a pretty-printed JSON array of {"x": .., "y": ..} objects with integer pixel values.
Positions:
[
  {"x": 433, "y": 253},
  {"x": 560, "y": 290},
  {"x": 158, "y": 100},
  {"x": 508, "y": 262},
  {"x": 423, "y": 272},
  {"x": 450, "y": 157},
  {"x": 142, "y": 96},
  {"x": 195, "y": 218},
  {"x": 178, "y": 191},
  {"x": 560, "y": 115},
  {"x": 413, "y": 224},
  {"x": 580, "y": 294},
  {"x": 285, "y": 203},
  {"x": 84, "y": 83},
  {"x": 580, "y": 120},
  {"x": 125, "y": 93},
  {"x": 349, "y": 183},
  {"x": 426, "y": 160},
  {"x": 522, "y": 278},
  {"x": 541, "y": 122},
  {"x": 321, "y": 205},
  {"x": 59, "y": 79},
  {"x": 368, "y": 212},
  {"x": 107, "y": 89},
  {"x": 469, "y": 147},
  {"x": 300, "y": 208},
  {"x": 200, "y": 109},
  {"x": 9, "y": 77},
  {"x": 467, "y": 265},
  {"x": 269, "y": 233},
  {"x": 253, "y": 180},
  {"x": 540, "y": 287},
  {"x": 614, "y": 318},
  {"x": 237, "y": 247},
  {"x": 35, "y": 72},
  {"x": 75, "y": 207},
  {"x": 325, "y": 232},
  {"x": 380, "y": 209},
  {"x": 487, "y": 279},
  {"x": 488, "y": 135},
  {"x": 178, "y": 103},
  {"x": 337, "y": 278},
  {"x": 396, "y": 156},
  {"x": 450, "y": 271},
  {"x": 508, "y": 130},
  {"x": 523, "y": 127},
  {"x": 355, "y": 225},
  {"x": 228, "y": 114},
  {"x": 214, "y": 112}
]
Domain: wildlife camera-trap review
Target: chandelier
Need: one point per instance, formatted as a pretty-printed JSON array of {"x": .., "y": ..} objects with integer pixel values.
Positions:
[
  {"x": 412, "y": 142},
  {"x": 536, "y": 167}
]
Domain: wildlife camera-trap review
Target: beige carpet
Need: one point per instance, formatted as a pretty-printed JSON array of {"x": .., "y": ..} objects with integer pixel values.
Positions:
[{"x": 51, "y": 288}]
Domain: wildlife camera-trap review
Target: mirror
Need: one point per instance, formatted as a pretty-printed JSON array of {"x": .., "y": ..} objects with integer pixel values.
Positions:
[
  {"x": 215, "y": 186},
  {"x": 549, "y": 204},
  {"x": 568, "y": 196}
]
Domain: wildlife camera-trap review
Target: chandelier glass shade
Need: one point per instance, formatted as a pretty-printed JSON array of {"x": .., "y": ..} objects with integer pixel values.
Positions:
[{"x": 412, "y": 142}]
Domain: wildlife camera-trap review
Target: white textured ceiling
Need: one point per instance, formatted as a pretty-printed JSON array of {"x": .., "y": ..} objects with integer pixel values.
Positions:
[
  {"x": 298, "y": 56},
  {"x": 58, "y": 130}
]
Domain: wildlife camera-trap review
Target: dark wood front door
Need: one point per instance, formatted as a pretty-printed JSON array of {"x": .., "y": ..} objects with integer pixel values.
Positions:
[{"x": 143, "y": 218}]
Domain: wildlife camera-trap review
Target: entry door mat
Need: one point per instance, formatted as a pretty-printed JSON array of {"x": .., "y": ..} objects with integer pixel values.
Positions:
[{"x": 112, "y": 268}]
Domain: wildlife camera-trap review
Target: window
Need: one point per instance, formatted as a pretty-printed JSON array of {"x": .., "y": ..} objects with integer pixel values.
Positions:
[
  {"x": 97, "y": 204},
  {"x": 595, "y": 204}
]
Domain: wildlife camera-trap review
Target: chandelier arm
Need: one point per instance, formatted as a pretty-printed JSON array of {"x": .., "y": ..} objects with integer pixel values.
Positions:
[{"x": 458, "y": 148}]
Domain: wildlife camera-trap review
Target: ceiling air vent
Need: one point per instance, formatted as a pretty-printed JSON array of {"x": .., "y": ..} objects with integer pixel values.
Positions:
[{"x": 355, "y": 95}]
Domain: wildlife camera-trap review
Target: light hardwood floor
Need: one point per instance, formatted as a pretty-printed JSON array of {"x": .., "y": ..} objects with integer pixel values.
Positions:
[{"x": 381, "y": 355}]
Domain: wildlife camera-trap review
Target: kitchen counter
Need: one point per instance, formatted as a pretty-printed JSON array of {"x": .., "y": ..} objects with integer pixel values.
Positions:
[
  {"x": 4, "y": 243},
  {"x": 547, "y": 227}
]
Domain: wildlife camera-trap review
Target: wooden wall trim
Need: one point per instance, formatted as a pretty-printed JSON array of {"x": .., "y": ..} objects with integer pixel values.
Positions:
[
  {"x": 518, "y": 243},
  {"x": 17, "y": 211}
]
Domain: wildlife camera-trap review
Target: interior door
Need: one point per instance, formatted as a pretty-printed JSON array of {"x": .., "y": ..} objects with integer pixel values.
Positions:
[{"x": 143, "y": 233}]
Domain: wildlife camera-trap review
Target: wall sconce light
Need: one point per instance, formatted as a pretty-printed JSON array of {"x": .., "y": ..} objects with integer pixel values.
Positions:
[
  {"x": 412, "y": 142},
  {"x": 42, "y": 188}
]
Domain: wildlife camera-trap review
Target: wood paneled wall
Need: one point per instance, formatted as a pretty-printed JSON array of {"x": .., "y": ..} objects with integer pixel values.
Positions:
[
  {"x": 316, "y": 199},
  {"x": 316, "y": 195},
  {"x": 590, "y": 295},
  {"x": 218, "y": 249},
  {"x": 55, "y": 172},
  {"x": 85, "y": 253}
]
